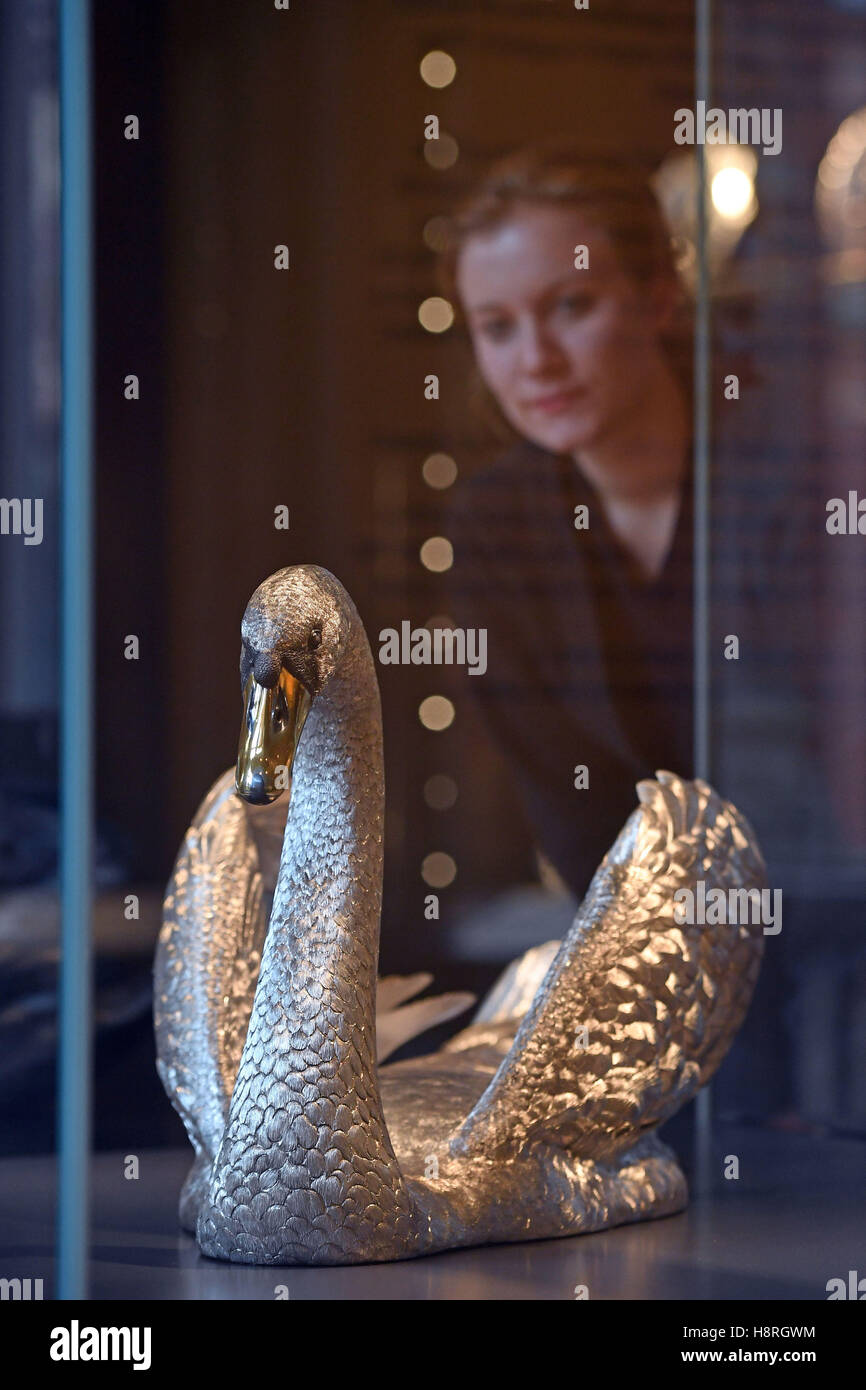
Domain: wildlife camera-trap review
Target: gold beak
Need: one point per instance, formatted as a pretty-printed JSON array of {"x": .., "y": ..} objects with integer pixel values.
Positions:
[{"x": 273, "y": 721}]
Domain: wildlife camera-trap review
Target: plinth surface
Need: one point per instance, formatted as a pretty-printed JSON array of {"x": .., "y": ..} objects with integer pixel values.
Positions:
[{"x": 791, "y": 1221}]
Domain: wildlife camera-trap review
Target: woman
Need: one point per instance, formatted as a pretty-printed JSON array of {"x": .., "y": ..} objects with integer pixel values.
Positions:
[{"x": 574, "y": 548}]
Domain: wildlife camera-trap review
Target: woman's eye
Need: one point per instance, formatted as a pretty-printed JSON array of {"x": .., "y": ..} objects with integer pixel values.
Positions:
[
  {"x": 575, "y": 303},
  {"x": 495, "y": 329}
]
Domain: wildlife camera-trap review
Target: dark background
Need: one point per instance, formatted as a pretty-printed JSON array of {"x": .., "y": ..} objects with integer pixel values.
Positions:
[{"x": 305, "y": 388}]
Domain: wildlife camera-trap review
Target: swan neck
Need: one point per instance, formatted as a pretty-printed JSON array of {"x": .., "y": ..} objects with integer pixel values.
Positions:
[{"x": 306, "y": 1126}]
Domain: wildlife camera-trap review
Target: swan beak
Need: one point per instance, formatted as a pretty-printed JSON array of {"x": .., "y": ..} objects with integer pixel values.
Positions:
[{"x": 273, "y": 721}]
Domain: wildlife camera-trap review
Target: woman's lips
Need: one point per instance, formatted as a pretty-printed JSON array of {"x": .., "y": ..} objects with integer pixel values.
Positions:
[{"x": 555, "y": 401}]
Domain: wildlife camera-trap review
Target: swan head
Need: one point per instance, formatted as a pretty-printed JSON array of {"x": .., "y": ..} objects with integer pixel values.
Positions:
[{"x": 294, "y": 634}]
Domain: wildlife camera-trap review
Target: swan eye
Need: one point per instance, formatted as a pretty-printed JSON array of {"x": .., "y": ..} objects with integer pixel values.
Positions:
[{"x": 315, "y": 639}]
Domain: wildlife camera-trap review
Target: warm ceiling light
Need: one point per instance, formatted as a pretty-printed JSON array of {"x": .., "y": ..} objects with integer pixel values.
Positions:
[
  {"x": 438, "y": 69},
  {"x": 840, "y": 193},
  {"x": 732, "y": 191},
  {"x": 439, "y": 471},
  {"x": 435, "y": 314},
  {"x": 437, "y": 554},
  {"x": 436, "y": 713}
]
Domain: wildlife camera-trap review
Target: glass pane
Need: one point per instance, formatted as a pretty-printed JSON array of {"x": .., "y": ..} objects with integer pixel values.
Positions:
[
  {"x": 421, "y": 291},
  {"x": 29, "y": 628},
  {"x": 788, "y": 389}
]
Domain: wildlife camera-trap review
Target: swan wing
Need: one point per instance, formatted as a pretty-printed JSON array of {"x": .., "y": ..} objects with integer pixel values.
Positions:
[
  {"x": 397, "y": 1021},
  {"x": 636, "y": 1009},
  {"x": 215, "y": 918},
  {"x": 394, "y": 990},
  {"x": 517, "y": 986}
]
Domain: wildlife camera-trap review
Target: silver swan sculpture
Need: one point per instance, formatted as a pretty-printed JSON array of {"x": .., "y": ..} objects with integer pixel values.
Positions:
[
  {"x": 540, "y": 1118},
  {"x": 215, "y": 917}
]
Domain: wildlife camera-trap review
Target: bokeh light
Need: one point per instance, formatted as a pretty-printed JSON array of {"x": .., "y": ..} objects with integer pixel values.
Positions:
[
  {"x": 435, "y": 314},
  {"x": 438, "y": 69},
  {"x": 438, "y": 869},
  {"x": 437, "y": 554},
  {"x": 436, "y": 713}
]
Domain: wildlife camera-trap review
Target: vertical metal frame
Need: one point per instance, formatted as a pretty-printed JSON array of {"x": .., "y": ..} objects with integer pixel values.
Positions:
[
  {"x": 702, "y": 425},
  {"x": 76, "y": 670}
]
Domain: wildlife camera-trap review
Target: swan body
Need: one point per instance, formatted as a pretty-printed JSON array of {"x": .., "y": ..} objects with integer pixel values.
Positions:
[
  {"x": 540, "y": 1118},
  {"x": 215, "y": 916}
]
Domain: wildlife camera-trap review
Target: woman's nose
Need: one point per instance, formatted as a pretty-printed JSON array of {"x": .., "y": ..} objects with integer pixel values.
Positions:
[{"x": 538, "y": 350}]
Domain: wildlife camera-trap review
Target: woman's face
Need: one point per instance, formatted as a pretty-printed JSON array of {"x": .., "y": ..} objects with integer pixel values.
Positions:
[{"x": 570, "y": 355}]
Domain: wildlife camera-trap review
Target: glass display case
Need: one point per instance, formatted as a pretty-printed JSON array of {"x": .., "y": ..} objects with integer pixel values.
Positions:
[{"x": 593, "y": 526}]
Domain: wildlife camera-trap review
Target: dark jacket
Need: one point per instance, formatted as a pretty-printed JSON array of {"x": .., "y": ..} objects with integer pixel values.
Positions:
[{"x": 589, "y": 664}]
